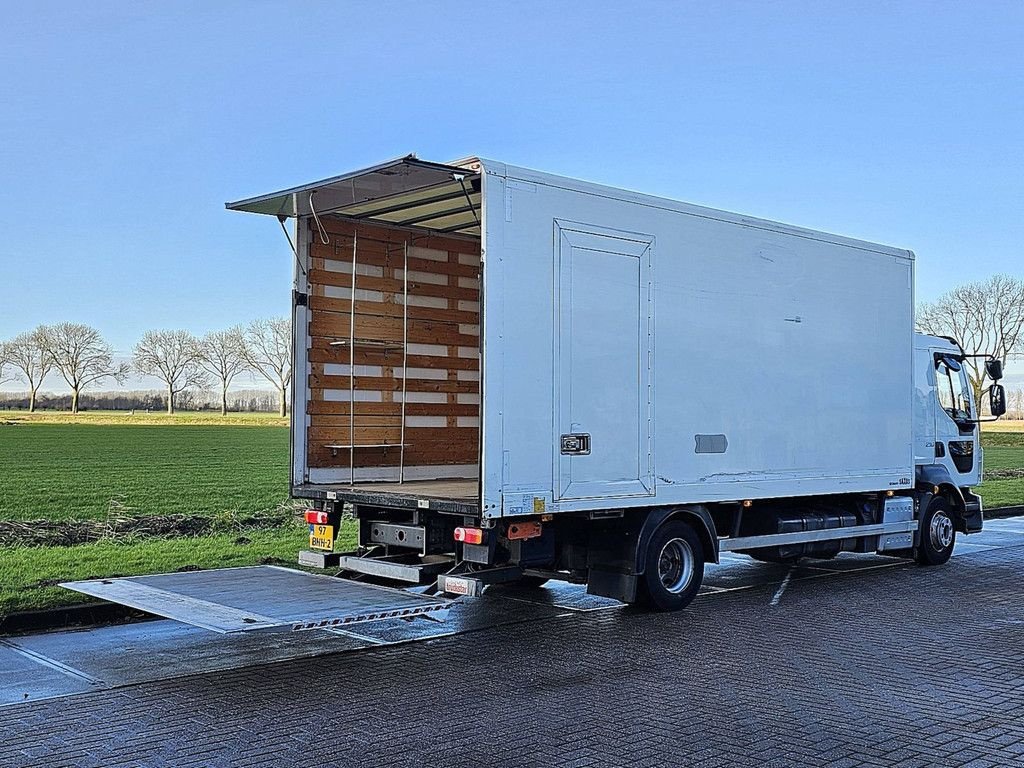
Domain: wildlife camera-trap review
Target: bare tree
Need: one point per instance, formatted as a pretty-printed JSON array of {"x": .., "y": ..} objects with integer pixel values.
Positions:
[
  {"x": 1016, "y": 403},
  {"x": 26, "y": 354},
  {"x": 268, "y": 351},
  {"x": 80, "y": 356},
  {"x": 172, "y": 357},
  {"x": 5, "y": 374},
  {"x": 222, "y": 355},
  {"x": 986, "y": 317}
]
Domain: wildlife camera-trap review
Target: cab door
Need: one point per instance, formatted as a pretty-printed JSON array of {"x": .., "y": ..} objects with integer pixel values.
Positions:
[{"x": 955, "y": 434}]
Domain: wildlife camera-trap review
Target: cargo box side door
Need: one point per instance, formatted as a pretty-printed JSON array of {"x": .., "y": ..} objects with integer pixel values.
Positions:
[{"x": 603, "y": 358}]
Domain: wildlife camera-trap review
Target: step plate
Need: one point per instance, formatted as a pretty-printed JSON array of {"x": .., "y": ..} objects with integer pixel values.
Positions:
[
  {"x": 419, "y": 573},
  {"x": 260, "y": 597}
]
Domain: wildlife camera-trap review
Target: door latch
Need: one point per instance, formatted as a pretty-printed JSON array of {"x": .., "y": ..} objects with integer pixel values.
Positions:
[{"x": 577, "y": 444}]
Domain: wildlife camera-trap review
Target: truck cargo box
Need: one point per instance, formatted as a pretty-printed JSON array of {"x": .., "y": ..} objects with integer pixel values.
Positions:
[{"x": 482, "y": 339}]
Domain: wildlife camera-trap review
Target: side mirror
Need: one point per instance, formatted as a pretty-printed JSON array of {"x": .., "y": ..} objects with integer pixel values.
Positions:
[
  {"x": 997, "y": 400},
  {"x": 994, "y": 369}
]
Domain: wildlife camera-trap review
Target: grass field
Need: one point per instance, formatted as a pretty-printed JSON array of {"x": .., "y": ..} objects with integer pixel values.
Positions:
[
  {"x": 1004, "y": 425},
  {"x": 1003, "y": 443},
  {"x": 73, "y": 471},
  {"x": 228, "y": 476},
  {"x": 100, "y": 468},
  {"x": 142, "y": 418},
  {"x": 28, "y": 575}
]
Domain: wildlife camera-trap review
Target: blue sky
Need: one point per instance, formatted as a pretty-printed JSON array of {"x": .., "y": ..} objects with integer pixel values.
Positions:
[{"x": 125, "y": 127}]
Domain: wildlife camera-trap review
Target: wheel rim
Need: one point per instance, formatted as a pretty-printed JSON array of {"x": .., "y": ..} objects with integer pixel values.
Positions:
[
  {"x": 941, "y": 530},
  {"x": 675, "y": 565}
]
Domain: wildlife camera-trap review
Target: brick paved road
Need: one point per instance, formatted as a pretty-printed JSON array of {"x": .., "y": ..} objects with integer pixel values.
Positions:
[{"x": 898, "y": 666}]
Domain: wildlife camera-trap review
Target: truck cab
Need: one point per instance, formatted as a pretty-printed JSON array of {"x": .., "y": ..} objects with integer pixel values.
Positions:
[{"x": 947, "y": 440}]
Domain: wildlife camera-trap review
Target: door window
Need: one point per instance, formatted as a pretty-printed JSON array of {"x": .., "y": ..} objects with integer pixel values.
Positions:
[{"x": 954, "y": 389}]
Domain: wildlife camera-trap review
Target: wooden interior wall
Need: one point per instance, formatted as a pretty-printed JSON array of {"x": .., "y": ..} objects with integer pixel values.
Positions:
[{"x": 442, "y": 412}]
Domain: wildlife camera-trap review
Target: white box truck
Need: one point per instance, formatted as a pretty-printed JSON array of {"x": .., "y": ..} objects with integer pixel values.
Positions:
[{"x": 510, "y": 375}]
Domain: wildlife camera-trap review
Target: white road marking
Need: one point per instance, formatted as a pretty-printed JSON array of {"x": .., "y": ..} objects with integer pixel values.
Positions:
[
  {"x": 712, "y": 588},
  {"x": 868, "y": 567},
  {"x": 824, "y": 568},
  {"x": 967, "y": 546},
  {"x": 782, "y": 588}
]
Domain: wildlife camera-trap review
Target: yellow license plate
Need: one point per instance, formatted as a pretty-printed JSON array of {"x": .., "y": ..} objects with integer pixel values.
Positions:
[{"x": 321, "y": 537}]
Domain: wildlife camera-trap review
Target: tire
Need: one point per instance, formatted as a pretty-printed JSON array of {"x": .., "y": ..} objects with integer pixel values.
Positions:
[
  {"x": 937, "y": 533},
  {"x": 674, "y": 568}
]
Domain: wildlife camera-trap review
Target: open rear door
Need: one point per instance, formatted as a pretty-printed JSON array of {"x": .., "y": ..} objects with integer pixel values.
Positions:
[
  {"x": 260, "y": 597},
  {"x": 406, "y": 191}
]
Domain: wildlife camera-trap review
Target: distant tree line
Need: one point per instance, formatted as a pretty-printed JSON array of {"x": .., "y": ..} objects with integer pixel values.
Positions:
[
  {"x": 185, "y": 364},
  {"x": 239, "y": 401},
  {"x": 985, "y": 317}
]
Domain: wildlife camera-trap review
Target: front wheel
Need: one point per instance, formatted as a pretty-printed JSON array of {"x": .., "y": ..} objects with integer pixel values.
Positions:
[
  {"x": 674, "y": 568},
  {"x": 937, "y": 534}
]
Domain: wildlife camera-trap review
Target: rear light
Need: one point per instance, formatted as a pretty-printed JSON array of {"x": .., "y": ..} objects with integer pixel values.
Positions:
[
  {"x": 469, "y": 535},
  {"x": 316, "y": 517}
]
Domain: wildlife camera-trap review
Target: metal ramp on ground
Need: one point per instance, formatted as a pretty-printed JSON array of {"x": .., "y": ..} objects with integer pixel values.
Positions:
[{"x": 261, "y": 597}]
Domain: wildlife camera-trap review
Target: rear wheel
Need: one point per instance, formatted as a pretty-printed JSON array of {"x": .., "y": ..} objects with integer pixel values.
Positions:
[
  {"x": 674, "y": 568},
  {"x": 937, "y": 533}
]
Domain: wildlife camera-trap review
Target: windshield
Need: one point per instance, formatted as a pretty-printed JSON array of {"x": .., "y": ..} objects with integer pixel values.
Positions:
[{"x": 954, "y": 389}]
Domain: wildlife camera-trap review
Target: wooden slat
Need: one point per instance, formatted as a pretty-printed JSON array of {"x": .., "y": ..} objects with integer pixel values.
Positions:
[
  {"x": 317, "y": 408},
  {"x": 324, "y": 353},
  {"x": 362, "y": 435},
  {"x": 340, "y": 409},
  {"x": 422, "y": 447},
  {"x": 340, "y": 424},
  {"x": 392, "y": 384},
  {"x": 391, "y": 285},
  {"x": 413, "y": 435},
  {"x": 361, "y": 420},
  {"x": 424, "y": 454},
  {"x": 344, "y": 306},
  {"x": 383, "y": 326},
  {"x": 435, "y": 446},
  {"x": 392, "y": 258},
  {"x": 333, "y": 326}
]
